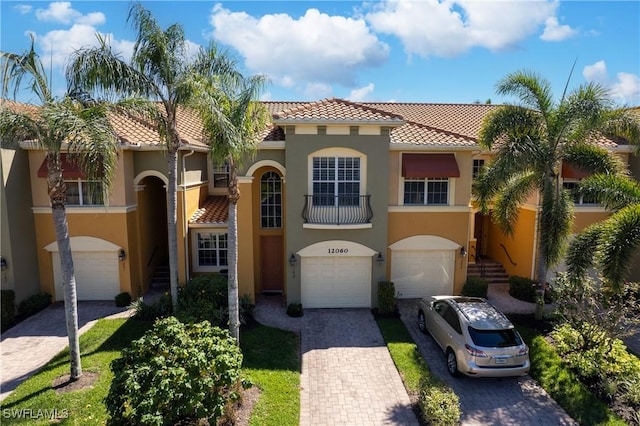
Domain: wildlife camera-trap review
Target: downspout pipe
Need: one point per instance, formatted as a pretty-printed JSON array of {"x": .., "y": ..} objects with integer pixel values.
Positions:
[{"x": 185, "y": 221}]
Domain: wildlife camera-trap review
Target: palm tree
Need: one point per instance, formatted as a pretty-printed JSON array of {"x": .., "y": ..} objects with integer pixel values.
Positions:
[
  {"x": 160, "y": 71},
  {"x": 531, "y": 141},
  {"x": 58, "y": 125},
  {"x": 233, "y": 122},
  {"x": 612, "y": 243}
]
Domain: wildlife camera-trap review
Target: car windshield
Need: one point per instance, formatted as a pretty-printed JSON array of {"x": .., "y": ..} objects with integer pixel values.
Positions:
[{"x": 494, "y": 338}]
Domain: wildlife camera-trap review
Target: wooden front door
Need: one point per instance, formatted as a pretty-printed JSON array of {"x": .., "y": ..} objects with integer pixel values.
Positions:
[{"x": 271, "y": 263}]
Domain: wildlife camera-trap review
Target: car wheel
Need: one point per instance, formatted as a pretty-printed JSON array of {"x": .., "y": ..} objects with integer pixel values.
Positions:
[
  {"x": 422, "y": 322},
  {"x": 452, "y": 363}
]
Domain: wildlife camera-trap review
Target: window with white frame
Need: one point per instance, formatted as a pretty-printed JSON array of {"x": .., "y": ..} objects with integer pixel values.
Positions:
[
  {"x": 578, "y": 199},
  {"x": 477, "y": 166},
  {"x": 428, "y": 191},
  {"x": 212, "y": 249},
  {"x": 84, "y": 193},
  {"x": 336, "y": 181},
  {"x": 271, "y": 200},
  {"x": 221, "y": 175}
]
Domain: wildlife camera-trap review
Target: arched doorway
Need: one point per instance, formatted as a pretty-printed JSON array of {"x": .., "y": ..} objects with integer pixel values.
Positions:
[
  {"x": 152, "y": 225},
  {"x": 271, "y": 235}
]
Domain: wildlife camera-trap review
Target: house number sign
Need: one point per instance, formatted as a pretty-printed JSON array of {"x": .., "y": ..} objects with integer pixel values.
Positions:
[{"x": 337, "y": 250}]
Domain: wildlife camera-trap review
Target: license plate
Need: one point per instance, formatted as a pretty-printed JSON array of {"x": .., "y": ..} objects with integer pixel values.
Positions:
[{"x": 501, "y": 360}]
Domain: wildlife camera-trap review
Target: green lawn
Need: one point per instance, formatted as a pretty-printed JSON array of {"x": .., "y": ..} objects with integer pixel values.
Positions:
[{"x": 272, "y": 362}]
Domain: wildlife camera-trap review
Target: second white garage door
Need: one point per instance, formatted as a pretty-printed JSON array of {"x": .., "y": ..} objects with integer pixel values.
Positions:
[
  {"x": 336, "y": 282},
  {"x": 96, "y": 273},
  {"x": 422, "y": 273}
]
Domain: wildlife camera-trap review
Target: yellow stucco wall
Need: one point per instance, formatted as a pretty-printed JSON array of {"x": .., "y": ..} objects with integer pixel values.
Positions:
[
  {"x": 245, "y": 242},
  {"x": 453, "y": 226},
  {"x": 520, "y": 246}
]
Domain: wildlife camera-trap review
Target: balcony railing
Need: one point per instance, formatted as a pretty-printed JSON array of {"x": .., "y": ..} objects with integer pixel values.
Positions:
[{"x": 337, "y": 210}]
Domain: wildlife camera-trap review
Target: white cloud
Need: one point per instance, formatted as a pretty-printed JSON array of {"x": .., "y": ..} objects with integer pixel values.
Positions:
[
  {"x": 60, "y": 12},
  {"x": 317, "y": 91},
  {"x": 626, "y": 87},
  {"x": 361, "y": 94},
  {"x": 553, "y": 31},
  {"x": 23, "y": 9},
  {"x": 307, "y": 53},
  {"x": 596, "y": 72},
  {"x": 450, "y": 28},
  {"x": 93, "y": 18}
]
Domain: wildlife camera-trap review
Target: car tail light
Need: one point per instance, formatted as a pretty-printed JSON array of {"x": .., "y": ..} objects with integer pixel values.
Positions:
[
  {"x": 523, "y": 351},
  {"x": 475, "y": 352}
]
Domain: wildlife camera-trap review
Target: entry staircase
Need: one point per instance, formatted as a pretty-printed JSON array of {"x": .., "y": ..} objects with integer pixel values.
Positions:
[
  {"x": 490, "y": 270},
  {"x": 160, "y": 279}
]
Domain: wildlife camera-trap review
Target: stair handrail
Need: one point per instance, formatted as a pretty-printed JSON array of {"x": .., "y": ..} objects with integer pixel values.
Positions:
[
  {"x": 508, "y": 256},
  {"x": 480, "y": 261},
  {"x": 153, "y": 254}
]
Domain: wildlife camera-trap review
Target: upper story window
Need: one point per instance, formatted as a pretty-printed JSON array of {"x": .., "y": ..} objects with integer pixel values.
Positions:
[
  {"x": 477, "y": 166},
  {"x": 271, "y": 200},
  {"x": 578, "y": 199},
  {"x": 336, "y": 181},
  {"x": 221, "y": 176},
  {"x": 212, "y": 249},
  {"x": 428, "y": 191},
  {"x": 84, "y": 193}
]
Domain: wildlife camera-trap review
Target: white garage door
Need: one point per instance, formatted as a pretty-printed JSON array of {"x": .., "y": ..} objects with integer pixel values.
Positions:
[
  {"x": 422, "y": 273},
  {"x": 96, "y": 274},
  {"x": 336, "y": 282}
]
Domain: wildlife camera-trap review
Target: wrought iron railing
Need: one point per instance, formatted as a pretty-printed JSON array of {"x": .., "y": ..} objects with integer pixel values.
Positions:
[{"x": 337, "y": 210}]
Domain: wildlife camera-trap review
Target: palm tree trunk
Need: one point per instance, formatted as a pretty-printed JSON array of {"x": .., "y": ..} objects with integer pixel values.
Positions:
[
  {"x": 541, "y": 275},
  {"x": 69, "y": 285},
  {"x": 172, "y": 228},
  {"x": 232, "y": 258}
]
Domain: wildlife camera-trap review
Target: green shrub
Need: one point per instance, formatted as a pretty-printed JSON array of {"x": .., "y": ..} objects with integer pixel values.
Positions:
[
  {"x": 246, "y": 309},
  {"x": 204, "y": 298},
  {"x": 439, "y": 405},
  {"x": 175, "y": 373},
  {"x": 34, "y": 304},
  {"x": 123, "y": 299},
  {"x": 295, "y": 310},
  {"x": 386, "y": 297},
  {"x": 475, "y": 287},
  {"x": 8, "y": 308},
  {"x": 522, "y": 288},
  {"x": 161, "y": 308}
]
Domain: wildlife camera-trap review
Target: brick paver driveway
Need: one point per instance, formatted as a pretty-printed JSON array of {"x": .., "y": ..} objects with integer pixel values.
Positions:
[{"x": 517, "y": 401}]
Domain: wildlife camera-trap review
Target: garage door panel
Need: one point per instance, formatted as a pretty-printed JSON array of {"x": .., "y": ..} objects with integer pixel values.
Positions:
[
  {"x": 336, "y": 282},
  {"x": 96, "y": 273},
  {"x": 422, "y": 273}
]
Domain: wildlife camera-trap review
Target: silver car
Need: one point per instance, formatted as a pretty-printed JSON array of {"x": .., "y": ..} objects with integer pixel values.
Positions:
[{"x": 477, "y": 339}]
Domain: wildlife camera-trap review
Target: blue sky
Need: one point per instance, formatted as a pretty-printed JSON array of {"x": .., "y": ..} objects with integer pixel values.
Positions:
[{"x": 452, "y": 51}]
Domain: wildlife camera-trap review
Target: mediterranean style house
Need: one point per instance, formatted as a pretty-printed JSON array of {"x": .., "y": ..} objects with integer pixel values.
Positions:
[{"x": 339, "y": 196}]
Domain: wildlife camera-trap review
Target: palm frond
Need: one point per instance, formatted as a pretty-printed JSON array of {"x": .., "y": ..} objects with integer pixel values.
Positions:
[
  {"x": 581, "y": 253},
  {"x": 508, "y": 201},
  {"x": 556, "y": 219},
  {"x": 593, "y": 159},
  {"x": 620, "y": 244},
  {"x": 533, "y": 91},
  {"x": 614, "y": 192},
  {"x": 15, "y": 68}
]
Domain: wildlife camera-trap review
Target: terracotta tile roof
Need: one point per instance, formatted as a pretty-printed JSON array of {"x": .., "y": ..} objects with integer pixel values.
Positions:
[
  {"x": 335, "y": 110},
  {"x": 273, "y": 133},
  {"x": 19, "y": 107},
  {"x": 419, "y": 134},
  {"x": 215, "y": 209}
]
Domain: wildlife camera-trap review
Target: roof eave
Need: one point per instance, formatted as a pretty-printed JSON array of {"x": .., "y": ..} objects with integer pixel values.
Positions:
[{"x": 294, "y": 121}]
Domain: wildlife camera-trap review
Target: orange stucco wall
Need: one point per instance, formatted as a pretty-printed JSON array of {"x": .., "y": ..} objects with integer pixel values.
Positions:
[
  {"x": 453, "y": 226},
  {"x": 245, "y": 242},
  {"x": 583, "y": 219},
  {"x": 520, "y": 246}
]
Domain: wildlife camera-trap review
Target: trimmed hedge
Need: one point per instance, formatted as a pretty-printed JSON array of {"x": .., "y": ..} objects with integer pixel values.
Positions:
[
  {"x": 475, "y": 287},
  {"x": 8, "y": 308},
  {"x": 522, "y": 288},
  {"x": 34, "y": 304},
  {"x": 386, "y": 297}
]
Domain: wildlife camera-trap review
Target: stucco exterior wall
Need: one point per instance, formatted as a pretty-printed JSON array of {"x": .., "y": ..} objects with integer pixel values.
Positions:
[{"x": 520, "y": 246}]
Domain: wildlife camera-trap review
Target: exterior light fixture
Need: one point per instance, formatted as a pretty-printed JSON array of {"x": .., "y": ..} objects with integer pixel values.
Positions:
[
  {"x": 463, "y": 251},
  {"x": 121, "y": 254},
  {"x": 380, "y": 259},
  {"x": 3, "y": 263},
  {"x": 293, "y": 260}
]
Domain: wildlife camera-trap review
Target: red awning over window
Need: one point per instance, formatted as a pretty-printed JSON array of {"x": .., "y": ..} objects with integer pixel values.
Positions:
[
  {"x": 570, "y": 172},
  {"x": 429, "y": 166},
  {"x": 70, "y": 170}
]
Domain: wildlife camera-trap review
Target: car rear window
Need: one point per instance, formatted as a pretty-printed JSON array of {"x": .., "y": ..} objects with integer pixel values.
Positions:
[{"x": 494, "y": 338}]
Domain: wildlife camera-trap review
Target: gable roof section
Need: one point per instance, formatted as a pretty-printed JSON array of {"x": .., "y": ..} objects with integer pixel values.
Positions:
[
  {"x": 214, "y": 210},
  {"x": 336, "y": 111}
]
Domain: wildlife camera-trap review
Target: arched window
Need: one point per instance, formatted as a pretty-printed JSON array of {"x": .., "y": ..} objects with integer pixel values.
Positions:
[{"x": 270, "y": 200}]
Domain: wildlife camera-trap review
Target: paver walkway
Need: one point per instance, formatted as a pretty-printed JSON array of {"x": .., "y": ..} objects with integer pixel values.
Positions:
[
  {"x": 517, "y": 401},
  {"x": 348, "y": 376},
  {"x": 29, "y": 345}
]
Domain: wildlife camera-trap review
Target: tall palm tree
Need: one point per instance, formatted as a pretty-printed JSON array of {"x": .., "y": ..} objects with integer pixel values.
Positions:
[
  {"x": 58, "y": 125},
  {"x": 160, "y": 70},
  {"x": 611, "y": 244},
  {"x": 233, "y": 121},
  {"x": 531, "y": 141}
]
